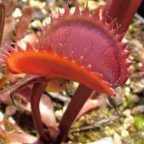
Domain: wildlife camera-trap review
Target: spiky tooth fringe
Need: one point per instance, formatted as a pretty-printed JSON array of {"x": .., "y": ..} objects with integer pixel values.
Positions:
[
  {"x": 77, "y": 11},
  {"x": 66, "y": 10}
]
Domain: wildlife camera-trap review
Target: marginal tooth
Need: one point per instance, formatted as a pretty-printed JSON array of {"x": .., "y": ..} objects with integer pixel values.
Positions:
[
  {"x": 126, "y": 52},
  {"x": 59, "y": 12},
  {"x": 113, "y": 22},
  {"x": 113, "y": 91},
  {"x": 6, "y": 53},
  {"x": 86, "y": 12},
  {"x": 120, "y": 45},
  {"x": 46, "y": 22},
  {"x": 128, "y": 62},
  {"x": 101, "y": 14},
  {"x": 81, "y": 57},
  {"x": 29, "y": 46},
  {"x": 3, "y": 56},
  {"x": 12, "y": 50},
  {"x": 124, "y": 45},
  {"x": 107, "y": 83},
  {"x": 109, "y": 88},
  {"x": 99, "y": 74},
  {"x": 117, "y": 27},
  {"x": 110, "y": 26},
  {"x": 66, "y": 58},
  {"x": 128, "y": 65},
  {"x": 66, "y": 10},
  {"x": 55, "y": 17},
  {"x": 77, "y": 11},
  {"x": 16, "y": 49},
  {"x": 127, "y": 48},
  {"x": 119, "y": 37},
  {"x": 89, "y": 66},
  {"x": 51, "y": 19},
  {"x": 114, "y": 31},
  {"x": 45, "y": 28},
  {"x": 7, "y": 50},
  {"x": 101, "y": 77},
  {"x": 2, "y": 61},
  {"x": 95, "y": 17}
]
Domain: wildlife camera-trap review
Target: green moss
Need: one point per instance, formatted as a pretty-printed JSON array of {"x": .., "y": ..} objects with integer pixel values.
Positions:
[{"x": 139, "y": 122}]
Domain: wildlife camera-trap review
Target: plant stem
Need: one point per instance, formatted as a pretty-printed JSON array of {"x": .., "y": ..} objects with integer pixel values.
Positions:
[
  {"x": 2, "y": 20},
  {"x": 37, "y": 90},
  {"x": 121, "y": 11},
  {"x": 73, "y": 109}
]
